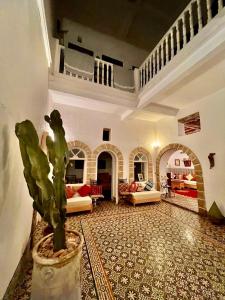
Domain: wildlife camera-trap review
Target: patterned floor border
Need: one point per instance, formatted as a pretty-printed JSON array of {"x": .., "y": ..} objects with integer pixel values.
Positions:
[{"x": 102, "y": 284}]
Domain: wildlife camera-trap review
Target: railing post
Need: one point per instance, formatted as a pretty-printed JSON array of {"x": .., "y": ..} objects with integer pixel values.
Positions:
[
  {"x": 167, "y": 49},
  {"x": 172, "y": 43},
  {"x": 157, "y": 59},
  {"x": 162, "y": 54},
  {"x": 184, "y": 30},
  {"x": 136, "y": 79},
  {"x": 97, "y": 71},
  {"x": 143, "y": 75},
  {"x": 112, "y": 76},
  {"x": 199, "y": 15},
  {"x": 209, "y": 11},
  {"x": 151, "y": 71},
  {"x": 220, "y": 5},
  {"x": 191, "y": 22},
  {"x": 147, "y": 75},
  {"x": 103, "y": 73},
  {"x": 153, "y": 67},
  {"x": 178, "y": 36}
]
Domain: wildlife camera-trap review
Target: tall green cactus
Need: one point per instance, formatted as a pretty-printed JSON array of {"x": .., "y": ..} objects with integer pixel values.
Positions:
[{"x": 49, "y": 197}]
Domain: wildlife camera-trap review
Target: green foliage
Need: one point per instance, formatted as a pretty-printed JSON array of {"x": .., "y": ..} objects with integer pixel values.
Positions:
[{"x": 49, "y": 196}]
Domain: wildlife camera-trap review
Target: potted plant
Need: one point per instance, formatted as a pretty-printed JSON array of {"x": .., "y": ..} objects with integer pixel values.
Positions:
[
  {"x": 215, "y": 215},
  {"x": 57, "y": 256}
]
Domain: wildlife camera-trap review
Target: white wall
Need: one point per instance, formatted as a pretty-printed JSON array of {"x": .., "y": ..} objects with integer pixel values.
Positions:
[
  {"x": 87, "y": 126},
  {"x": 103, "y": 44},
  {"x": 23, "y": 86},
  {"x": 211, "y": 138},
  {"x": 180, "y": 156}
]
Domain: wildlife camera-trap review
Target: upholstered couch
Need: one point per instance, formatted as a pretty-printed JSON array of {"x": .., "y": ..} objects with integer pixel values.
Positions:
[
  {"x": 139, "y": 197},
  {"x": 78, "y": 203},
  {"x": 145, "y": 197}
]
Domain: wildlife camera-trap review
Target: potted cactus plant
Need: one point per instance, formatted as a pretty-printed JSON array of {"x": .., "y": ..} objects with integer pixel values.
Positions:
[{"x": 56, "y": 256}]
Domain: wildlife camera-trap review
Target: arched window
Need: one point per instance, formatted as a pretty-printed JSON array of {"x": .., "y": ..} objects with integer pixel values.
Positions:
[
  {"x": 140, "y": 167},
  {"x": 76, "y": 166}
]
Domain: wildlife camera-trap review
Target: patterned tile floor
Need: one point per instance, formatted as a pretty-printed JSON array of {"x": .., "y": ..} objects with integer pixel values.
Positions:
[
  {"x": 183, "y": 201},
  {"x": 153, "y": 251}
]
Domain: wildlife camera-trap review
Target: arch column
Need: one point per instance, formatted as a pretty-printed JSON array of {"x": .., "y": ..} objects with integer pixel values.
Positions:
[{"x": 197, "y": 168}]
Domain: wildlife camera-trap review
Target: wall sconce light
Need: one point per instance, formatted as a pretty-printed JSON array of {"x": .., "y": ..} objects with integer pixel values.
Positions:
[{"x": 156, "y": 145}]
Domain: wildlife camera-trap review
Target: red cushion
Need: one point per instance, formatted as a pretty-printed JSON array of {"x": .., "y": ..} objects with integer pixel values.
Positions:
[
  {"x": 133, "y": 187},
  {"x": 69, "y": 192},
  {"x": 84, "y": 191}
]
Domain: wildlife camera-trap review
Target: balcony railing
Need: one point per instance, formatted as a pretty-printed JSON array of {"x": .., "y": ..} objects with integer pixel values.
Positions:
[{"x": 191, "y": 21}]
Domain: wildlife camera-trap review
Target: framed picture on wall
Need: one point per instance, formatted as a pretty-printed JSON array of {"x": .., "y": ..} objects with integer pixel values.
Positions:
[
  {"x": 140, "y": 177},
  {"x": 177, "y": 162}
]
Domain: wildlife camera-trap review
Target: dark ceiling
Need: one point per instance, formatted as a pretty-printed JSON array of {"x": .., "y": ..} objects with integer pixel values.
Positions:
[{"x": 139, "y": 22}]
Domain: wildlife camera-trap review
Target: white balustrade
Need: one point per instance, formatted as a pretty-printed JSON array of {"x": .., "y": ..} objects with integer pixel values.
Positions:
[
  {"x": 103, "y": 73},
  {"x": 178, "y": 36}
]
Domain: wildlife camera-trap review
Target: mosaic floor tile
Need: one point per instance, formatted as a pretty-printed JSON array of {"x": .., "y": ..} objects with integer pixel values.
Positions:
[{"x": 152, "y": 251}]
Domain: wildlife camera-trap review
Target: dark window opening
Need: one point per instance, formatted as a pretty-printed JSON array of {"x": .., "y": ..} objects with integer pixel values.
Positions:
[
  {"x": 75, "y": 171},
  {"x": 80, "y": 49},
  {"x": 112, "y": 60},
  {"x": 106, "y": 134}
]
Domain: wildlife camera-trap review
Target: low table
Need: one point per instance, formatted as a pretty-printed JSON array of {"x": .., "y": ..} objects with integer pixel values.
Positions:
[{"x": 95, "y": 198}]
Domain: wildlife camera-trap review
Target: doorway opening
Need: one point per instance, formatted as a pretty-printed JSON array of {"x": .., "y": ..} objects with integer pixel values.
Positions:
[
  {"x": 177, "y": 170},
  {"x": 105, "y": 174}
]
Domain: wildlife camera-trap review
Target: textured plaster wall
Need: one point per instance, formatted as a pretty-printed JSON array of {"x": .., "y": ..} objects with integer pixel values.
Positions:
[{"x": 23, "y": 86}]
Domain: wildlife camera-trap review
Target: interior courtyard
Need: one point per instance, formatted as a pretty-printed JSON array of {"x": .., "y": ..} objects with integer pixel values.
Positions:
[{"x": 140, "y": 88}]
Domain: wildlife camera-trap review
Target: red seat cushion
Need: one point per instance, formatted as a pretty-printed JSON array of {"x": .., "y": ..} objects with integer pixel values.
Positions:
[
  {"x": 84, "y": 190},
  {"x": 69, "y": 192}
]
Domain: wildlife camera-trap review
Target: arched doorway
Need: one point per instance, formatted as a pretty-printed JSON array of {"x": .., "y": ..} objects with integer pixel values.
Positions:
[
  {"x": 161, "y": 164},
  {"x": 105, "y": 173},
  {"x": 117, "y": 163}
]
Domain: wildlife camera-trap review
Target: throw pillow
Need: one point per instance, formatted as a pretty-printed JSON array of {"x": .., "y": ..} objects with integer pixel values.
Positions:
[
  {"x": 189, "y": 177},
  {"x": 69, "y": 192},
  {"x": 140, "y": 188},
  {"x": 123, "y": 187},
  {"x": 133, "y": 187},
  {"x": 149, "y": 185},
  {"x": 84, "y": 191}
]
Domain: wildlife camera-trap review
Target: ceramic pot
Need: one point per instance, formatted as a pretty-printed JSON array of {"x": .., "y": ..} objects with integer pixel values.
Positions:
[{"x": 57, "y": 278}]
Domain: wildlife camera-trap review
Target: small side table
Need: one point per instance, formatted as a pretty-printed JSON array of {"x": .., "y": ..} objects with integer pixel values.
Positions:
[{"x": 95, "y": 198}]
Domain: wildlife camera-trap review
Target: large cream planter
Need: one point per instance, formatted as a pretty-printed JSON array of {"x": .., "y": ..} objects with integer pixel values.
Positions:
[{"x": 57, "y": 278}]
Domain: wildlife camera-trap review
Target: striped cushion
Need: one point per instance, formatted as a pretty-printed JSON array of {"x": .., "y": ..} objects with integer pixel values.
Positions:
[{"x": 149, "y": 185}]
